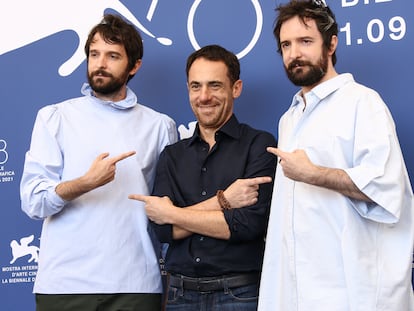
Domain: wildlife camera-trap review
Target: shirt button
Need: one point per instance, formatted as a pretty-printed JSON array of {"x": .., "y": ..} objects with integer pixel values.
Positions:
[
  {"x": 203, "y": 192},
  {"x": 201, "y": 238},
  {"x": 204, "y": 169},
  {"x": 197, "y": 259}
]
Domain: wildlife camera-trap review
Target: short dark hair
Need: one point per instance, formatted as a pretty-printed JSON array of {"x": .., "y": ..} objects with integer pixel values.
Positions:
[
  {"x": 115, "y": 30},
  {"x": 304, "y": 9},
  {"x": 217, "y": 53}
]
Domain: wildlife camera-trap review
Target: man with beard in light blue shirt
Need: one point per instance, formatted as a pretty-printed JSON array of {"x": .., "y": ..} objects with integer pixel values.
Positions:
[{"x": 95, "y": 251}]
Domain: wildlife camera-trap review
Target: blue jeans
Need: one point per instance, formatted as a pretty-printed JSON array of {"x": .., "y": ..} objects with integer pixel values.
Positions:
[{"x": 242, "y": 298}]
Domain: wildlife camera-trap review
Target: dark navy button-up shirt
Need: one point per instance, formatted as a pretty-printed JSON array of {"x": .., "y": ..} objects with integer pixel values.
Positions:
[{"x": 189, "y": 173}]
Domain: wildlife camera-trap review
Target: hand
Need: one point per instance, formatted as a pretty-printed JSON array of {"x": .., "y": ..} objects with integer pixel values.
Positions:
[
  {"x": 102, "y": 170},
  {"x": 156, "y": 208},
  {"x": 244, "y": 192},
  {"x": 296, "y": 165}
]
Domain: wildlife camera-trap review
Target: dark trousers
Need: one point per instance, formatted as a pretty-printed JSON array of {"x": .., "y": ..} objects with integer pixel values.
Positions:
[
  {"x": 223, "y": 293},
  {"x": 244, "y": 298},
  {"x": 98, "y": 302}
]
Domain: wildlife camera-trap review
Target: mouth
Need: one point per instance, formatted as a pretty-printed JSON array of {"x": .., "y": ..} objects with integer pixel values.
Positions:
[
  {"x": 209, "y": 108},
  {"x": 101, "y": 74},
  {"x": 296, "y": 65},
  {"x": 297, "y": 68}
]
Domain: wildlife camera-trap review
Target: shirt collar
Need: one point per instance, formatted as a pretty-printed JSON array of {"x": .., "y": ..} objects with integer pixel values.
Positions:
[
  {"x": 127, "y": 103},
  {"x": 328, "y": 87},
  {"x": 230, "y": 128},
  {"x": 323, "y": 90}
]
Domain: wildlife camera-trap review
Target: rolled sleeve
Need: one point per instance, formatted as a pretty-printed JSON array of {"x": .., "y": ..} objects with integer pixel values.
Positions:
[{"x": 249, "y": 223}]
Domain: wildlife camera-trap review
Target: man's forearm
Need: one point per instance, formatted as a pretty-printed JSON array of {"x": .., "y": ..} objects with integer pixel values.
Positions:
[
  {"x": 209, "y": 223},
  {"x": 338, "y": 180},
  {"x": 71, "y": 189},
  {"x": 210, "y": 204},
  {"x": 210, "y": 219}
]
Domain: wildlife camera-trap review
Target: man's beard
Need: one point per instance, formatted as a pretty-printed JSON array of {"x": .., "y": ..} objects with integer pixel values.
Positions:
[
  {"x": 99, "y": 86},
  {"x": 314, "y": 74}
]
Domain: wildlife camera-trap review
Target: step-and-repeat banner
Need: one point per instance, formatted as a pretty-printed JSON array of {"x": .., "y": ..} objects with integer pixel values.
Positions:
[{"x": 42, "y": 62}]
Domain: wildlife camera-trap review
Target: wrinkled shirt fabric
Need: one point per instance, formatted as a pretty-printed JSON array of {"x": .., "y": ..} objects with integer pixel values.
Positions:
[
  {"x": 325, "y": 251},
  {"x": 98, "y": 242}
]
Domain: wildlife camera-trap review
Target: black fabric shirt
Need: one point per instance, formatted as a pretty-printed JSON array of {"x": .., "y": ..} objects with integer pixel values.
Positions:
[{"x": 188, "y": 173}]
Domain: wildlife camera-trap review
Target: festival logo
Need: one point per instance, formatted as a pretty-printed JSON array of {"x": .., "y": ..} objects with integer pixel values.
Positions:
[
  {"x": 25, "y": 254},
  {"x": 23, "y": 249}
]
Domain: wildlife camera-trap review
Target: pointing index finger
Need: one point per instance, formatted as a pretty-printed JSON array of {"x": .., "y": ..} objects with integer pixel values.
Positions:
[
  {"x": 123, "y": 156},
  {"x": 138, "y": 197},
  {"x": 279, "y": 153},
  {"x": 261, "y": 180},
  {"x": 274, "y": 150}
]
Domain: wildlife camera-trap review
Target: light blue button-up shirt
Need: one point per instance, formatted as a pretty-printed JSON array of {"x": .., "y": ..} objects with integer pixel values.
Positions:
[{"x": 97, "y": 243}]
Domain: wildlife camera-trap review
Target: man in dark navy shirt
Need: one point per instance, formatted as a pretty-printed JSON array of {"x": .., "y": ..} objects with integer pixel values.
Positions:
[{"x": 212, "y": 195}]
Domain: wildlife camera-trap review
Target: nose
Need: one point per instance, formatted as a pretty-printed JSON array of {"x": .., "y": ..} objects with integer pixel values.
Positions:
[
  {"x": 101, "y": 61},
  {"x": 204, "y": 94},
  {"x": 294, "y": 51}
]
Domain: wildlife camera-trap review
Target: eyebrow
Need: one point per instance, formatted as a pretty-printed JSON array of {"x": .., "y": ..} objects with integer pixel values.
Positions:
[
  {"x": 298, "y": 39},
  {"x": 208, "y": 82},
  {"x": 105, "y": 52},
  {"x": 215, "y": 82}
]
